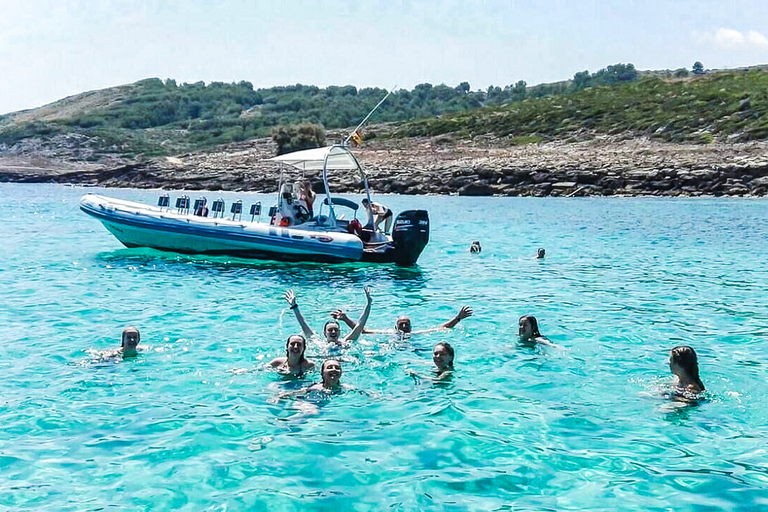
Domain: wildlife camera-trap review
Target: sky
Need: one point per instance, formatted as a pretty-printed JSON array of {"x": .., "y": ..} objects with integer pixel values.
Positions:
[{"x": 57, "y": 48}]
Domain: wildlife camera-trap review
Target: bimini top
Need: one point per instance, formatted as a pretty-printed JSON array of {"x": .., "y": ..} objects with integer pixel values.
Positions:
[{"x": 339, "y": 158}]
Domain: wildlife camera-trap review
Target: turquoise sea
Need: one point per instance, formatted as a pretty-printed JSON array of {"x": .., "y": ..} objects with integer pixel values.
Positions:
[{"x": 193, "y": 423}]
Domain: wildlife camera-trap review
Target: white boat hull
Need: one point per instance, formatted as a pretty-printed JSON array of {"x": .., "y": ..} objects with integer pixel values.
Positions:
[{"x": 138, "y": 225}]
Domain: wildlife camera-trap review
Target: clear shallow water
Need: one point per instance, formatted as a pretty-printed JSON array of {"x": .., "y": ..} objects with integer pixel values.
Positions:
[{"x": 191, "y": 424}]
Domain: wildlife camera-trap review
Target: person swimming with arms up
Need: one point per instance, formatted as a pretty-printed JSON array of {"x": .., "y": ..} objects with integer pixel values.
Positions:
[
  {"x": 684, "y": 364},
  {"x": 528, "y": 332},
  {"x": 403, "y": 323},
  {"x": 331, "y": 329},
  {"x": 294, "y": 363}
]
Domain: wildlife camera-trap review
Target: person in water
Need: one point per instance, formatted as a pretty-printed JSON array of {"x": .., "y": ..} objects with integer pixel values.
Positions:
[
  {"x": 684, "y": 364},
  {"x": 330, "y": 371},
  {"x": 540, "y": 253},
  {"x": 129, "y": 342},
  {"x": 475, "y": 247},
  {"x": 528, "y": 331},
  {"x": 442, "y": 357},
  {"x": 403, "y": 323},
  {"x": 294, "y": 362},
  {"x": 128, "y": 346},
  {"x": 331, "y": 330}
]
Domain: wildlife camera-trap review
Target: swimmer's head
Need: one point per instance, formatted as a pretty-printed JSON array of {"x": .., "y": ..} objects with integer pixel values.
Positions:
[
  {"x": 403, "y": 324},
  {"x": 130, "y": 339},
  {"x": 442, "y": 356},
  {"x": 332, "y": 331},
  {"x": 330, "y": 372},
  {"x": 295, "y": 344},
  {"x": 528, "y": 327},
  {"x": 540, "y": 253},
  {"x": 475, "y": 247},
  {"x": 684, "y": 363}
]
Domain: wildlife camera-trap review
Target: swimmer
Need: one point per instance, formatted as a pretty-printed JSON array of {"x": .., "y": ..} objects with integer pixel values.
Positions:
[
  {"x": 403, "y": 323},
  {"x": 540, "y": 253},
  {"x": 294, "y": 362},
  {"x": 330, "y": 371},
  {"x": 475, "y": 247},
  {"x": 684, "y": 364},
  {"x": 128, "y": 346},
  {"x": 331, "y": 330},
  {"x": 529, "y": 331},
  {"x": 442, "y": 357}
]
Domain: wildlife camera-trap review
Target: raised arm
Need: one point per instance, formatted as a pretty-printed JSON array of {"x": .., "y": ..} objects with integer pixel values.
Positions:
[
  {"x": 341, "y": 315},
  {"x": 463, "y": 313},
  {"x": 290, "y": 297},
  {"x": 360, "y": 326}
]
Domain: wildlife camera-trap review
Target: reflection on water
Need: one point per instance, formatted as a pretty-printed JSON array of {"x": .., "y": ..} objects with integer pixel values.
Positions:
[{"x": 412, "y": 278}]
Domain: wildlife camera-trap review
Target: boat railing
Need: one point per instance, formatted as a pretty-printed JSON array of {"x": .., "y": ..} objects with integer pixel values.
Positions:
[
  {"x": 217, "y": 208},
  {"x": 237, "y": 210},
  {"x": 182, "y": 204}
]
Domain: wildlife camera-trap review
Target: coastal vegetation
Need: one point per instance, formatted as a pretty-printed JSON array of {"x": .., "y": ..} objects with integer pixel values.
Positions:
[{"x": 154, "y": 117}]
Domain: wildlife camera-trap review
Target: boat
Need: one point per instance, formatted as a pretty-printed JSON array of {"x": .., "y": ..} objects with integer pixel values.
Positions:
[{"x": 292, "y": 230}]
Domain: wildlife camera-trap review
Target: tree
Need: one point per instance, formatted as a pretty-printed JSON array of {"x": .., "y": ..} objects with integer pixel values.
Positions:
[
  {"x": 298, "y": 136},
  {"x": 698, "y": 68},
  {"x": 463, "y": 88}
]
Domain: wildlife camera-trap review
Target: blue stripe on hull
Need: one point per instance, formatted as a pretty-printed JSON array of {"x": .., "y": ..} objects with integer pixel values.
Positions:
[{"x": 276, "y": 249}]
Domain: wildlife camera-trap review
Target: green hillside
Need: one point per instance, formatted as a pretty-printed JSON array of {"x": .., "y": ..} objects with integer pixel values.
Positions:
[
  {"x": 154, "y": 117},
  {"x": 725, "y": 105}
]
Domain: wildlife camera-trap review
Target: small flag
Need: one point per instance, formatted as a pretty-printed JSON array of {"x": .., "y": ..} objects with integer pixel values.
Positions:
[{"x": 357, "y": 138}]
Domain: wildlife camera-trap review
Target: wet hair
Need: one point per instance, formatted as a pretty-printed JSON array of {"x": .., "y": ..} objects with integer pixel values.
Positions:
[
  {"x": 534, "y": 324},
  {"x": 449, "y": 349},
  {"x": 541, "y": 252},
  {"x": 685, "y": 357},
  {"x": 127, "y": 330},
  {"x": 303, "y": 341},
  {"x": 329, "y": 322}
]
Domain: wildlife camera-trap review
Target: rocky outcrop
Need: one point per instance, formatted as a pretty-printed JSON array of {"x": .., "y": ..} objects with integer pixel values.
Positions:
[{"x": 602, "y": 166}]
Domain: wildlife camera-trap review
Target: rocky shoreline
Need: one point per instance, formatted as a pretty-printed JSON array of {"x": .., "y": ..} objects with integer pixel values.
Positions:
[{"x": 600, "y": 166}]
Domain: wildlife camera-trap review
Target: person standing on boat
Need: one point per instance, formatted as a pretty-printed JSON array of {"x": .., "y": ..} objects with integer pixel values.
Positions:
[
  {"x": 403, "y": 323},
  {"x": 331, "y": 329},
  {"x": 294, "y": 363},
  {"x": 378, "y": 213}
]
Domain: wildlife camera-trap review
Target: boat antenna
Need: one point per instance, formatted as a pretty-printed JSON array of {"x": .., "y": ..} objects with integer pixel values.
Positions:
[{"x": 346, "y": 141}]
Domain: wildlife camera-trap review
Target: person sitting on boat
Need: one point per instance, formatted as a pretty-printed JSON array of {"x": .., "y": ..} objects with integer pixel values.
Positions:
[
  {"x": 331, "y": 330},
  {"x": 307, "y": 197},
  {"x": 528, "y": 331},
  {"x": 403, "y": 323},
  {"x": 378, "y": 213},
  {"x": 202, "y": 209},
  {"x": 684, "y": 364},
  {"x": 294, "y": 363}
]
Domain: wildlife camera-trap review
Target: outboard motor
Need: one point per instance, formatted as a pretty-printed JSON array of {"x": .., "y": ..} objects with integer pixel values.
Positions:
[{"x": 410, "y": 235}]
